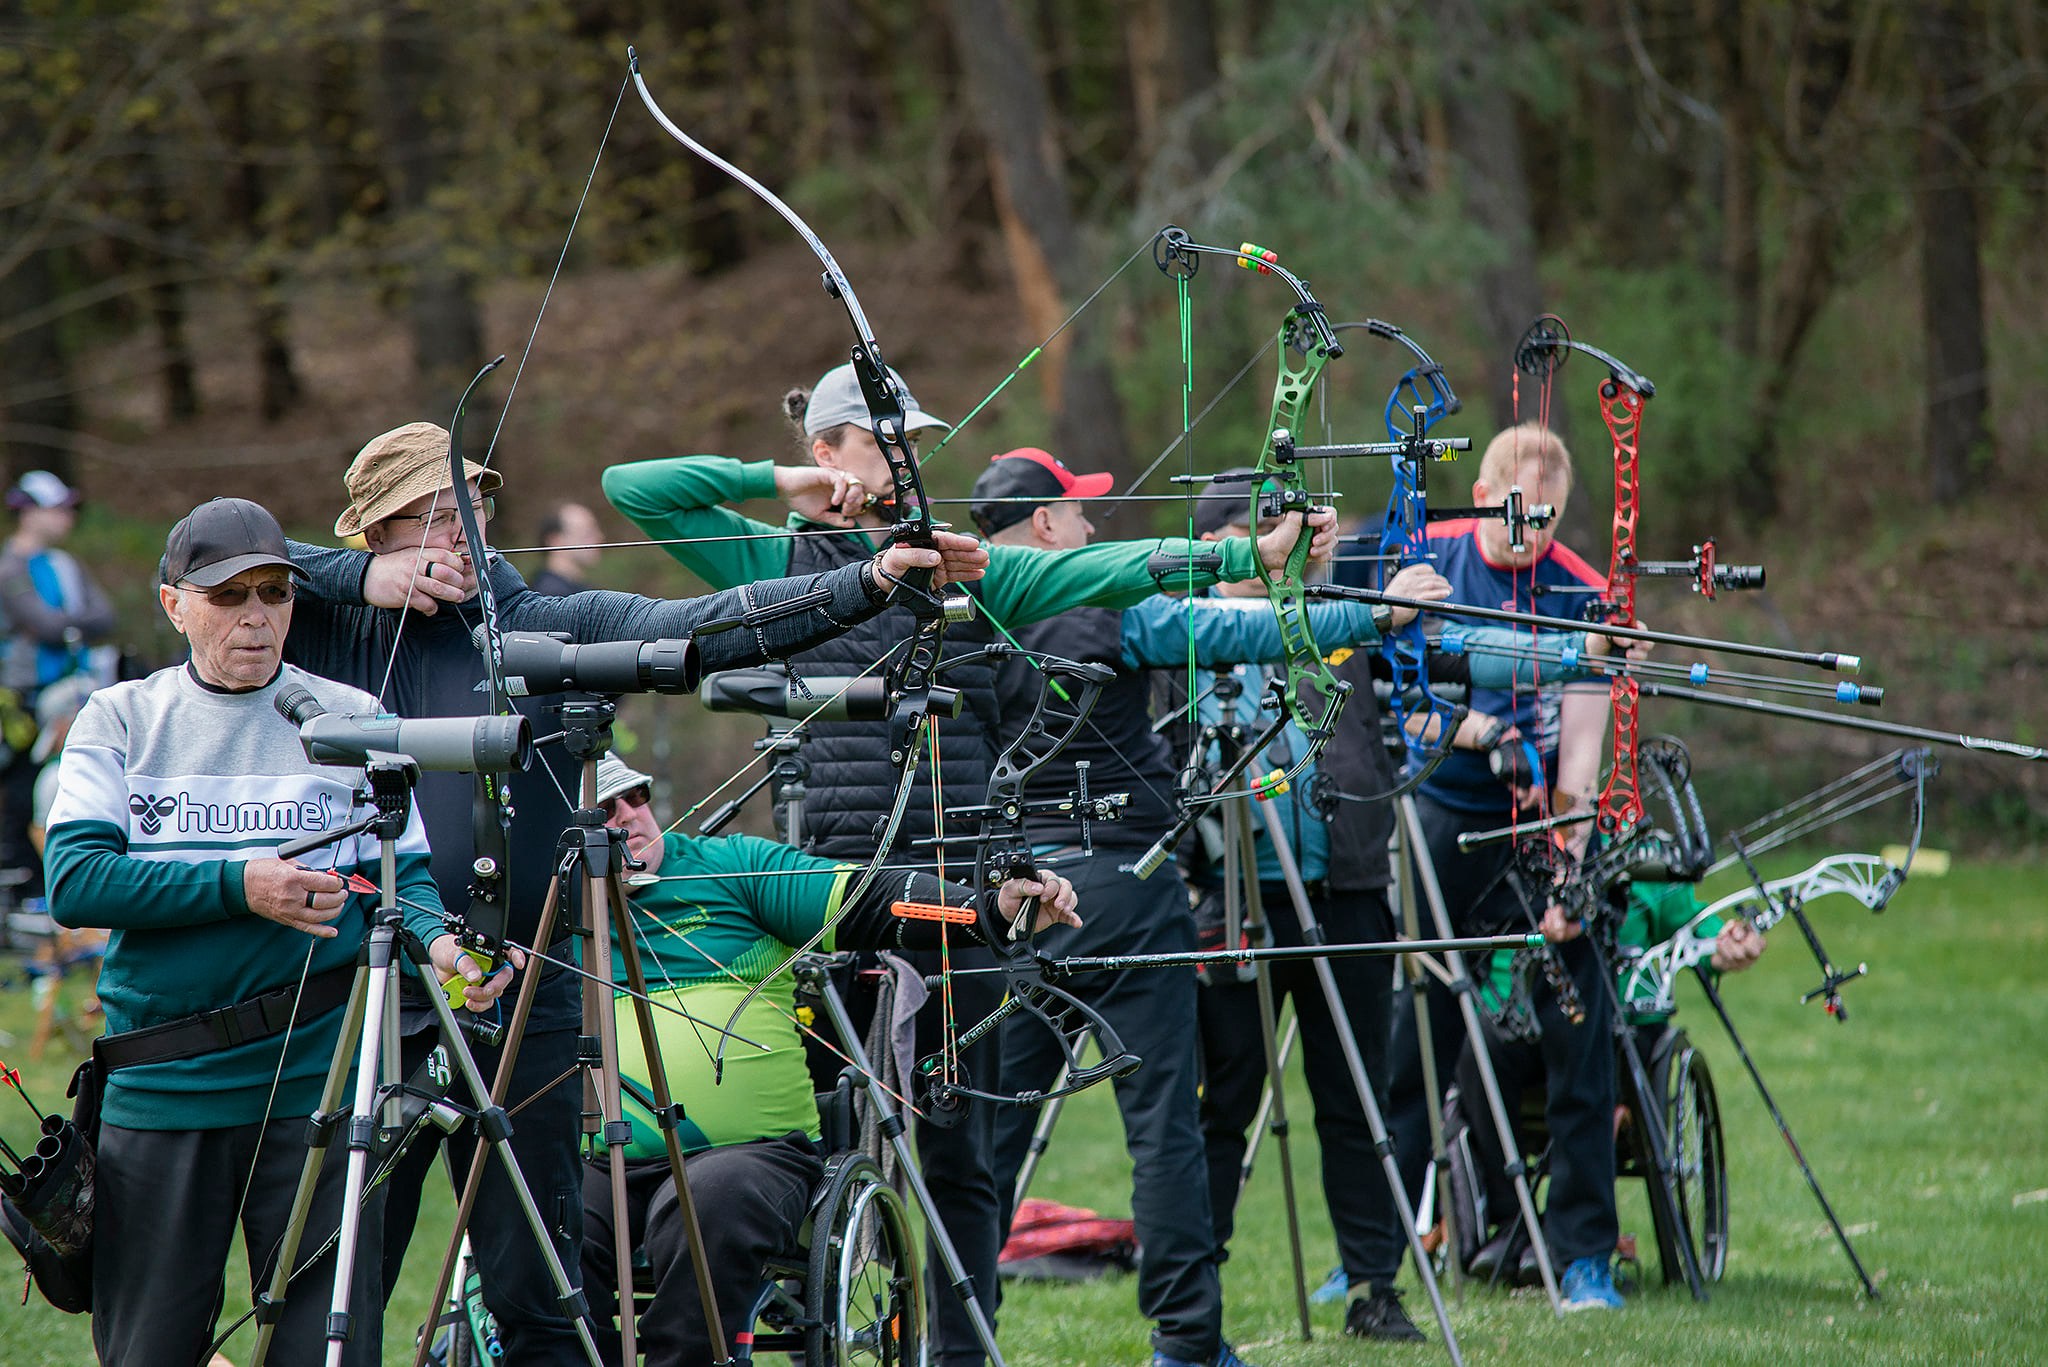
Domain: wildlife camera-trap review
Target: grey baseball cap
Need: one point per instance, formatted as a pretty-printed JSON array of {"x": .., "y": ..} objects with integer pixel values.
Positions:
[
  {"x": 218, "y": 540},
  {"x": 836, "y": 399}
]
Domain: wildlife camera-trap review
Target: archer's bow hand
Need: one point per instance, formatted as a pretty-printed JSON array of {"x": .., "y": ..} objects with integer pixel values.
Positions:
[
  {"x": 1559, "y": 928},
  {"x": 832, "y": 498},
  {"x": 418, "y": 577},
  {"x": 452, "y": 961},
  {"x": 1277, "y": 545},
  {"x": 1420, "y": 582},
  {"x": 1738, "y": 946},
  {"x": 952, "y": 557},
  {"x": 1598, "y": 645},
  {"x": 1056, "y": 900}
]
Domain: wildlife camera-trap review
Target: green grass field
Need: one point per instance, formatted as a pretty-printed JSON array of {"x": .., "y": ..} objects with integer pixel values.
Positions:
[{"x": 1923, "y": 1116}]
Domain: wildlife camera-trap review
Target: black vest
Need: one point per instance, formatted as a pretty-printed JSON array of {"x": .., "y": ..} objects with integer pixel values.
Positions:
[
  {"x": 851, "y": 779},
  {"x": 1117, "y": 739},
  {"x": 1355, "y": 761}
]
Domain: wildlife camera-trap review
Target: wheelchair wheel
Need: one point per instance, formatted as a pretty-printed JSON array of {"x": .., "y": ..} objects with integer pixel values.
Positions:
[
  {"x": 864, "y": 1292},
  {"x": 1693, "y": 1122}
]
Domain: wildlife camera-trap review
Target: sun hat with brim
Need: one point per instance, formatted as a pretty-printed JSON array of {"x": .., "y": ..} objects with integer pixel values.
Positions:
[
  {"x": 220, "y": 539},
  {"x": 615, "y": 776},
  {"x": 394, "y": 469}
]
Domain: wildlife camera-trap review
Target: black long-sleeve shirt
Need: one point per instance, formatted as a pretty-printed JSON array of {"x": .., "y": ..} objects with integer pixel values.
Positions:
[{"x": 437, "y": 671}]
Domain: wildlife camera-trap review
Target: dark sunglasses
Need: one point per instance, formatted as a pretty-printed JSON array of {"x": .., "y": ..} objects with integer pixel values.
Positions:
[
  {"x": 235, "y": 595},
  {"x": 635, "y": 797}
]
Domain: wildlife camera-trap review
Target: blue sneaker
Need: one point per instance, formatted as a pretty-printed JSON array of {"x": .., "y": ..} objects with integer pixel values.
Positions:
[
  {"x": 1589, "y": 1285},
  {"x": 1226, "y": 1356}
]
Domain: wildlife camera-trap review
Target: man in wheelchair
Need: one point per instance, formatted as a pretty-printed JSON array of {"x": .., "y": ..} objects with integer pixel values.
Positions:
[
  {"x": 713, "y": 917},
  {"x": 1520, "y": 1005}
]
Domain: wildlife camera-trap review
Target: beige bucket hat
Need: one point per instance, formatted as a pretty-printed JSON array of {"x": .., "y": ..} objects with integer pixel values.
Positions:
[{"x": 394, "y": 469}]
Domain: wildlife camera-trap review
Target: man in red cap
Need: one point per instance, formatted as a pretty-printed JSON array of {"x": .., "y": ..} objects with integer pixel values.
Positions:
[{"x": 1027, "y": 498}]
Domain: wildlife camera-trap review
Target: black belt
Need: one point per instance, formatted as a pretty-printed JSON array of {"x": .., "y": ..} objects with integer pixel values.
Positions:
[{"x": 227, "y": 1026}]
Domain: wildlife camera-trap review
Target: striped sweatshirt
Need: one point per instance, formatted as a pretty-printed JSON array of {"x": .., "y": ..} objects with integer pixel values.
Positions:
[{"x": 167, "y": 789}]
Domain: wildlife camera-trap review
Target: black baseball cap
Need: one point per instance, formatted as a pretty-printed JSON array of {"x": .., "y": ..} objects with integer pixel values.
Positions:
[
  {"x": 218, "y": 540},
  {"x": 1018, "y": 482}
]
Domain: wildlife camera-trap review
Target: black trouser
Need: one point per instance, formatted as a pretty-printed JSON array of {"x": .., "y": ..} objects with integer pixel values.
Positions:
[
  {"x": 959, "y": 1163},
  {"x": 164, "y": 1226},
  {"x": 1153, "y": 1011},
  {"x": 1579, "y": 1060},
  {"x": 750, "y": 1200},
  {"x": 1368, "y": 1229},
  {"x": 545, "y": 1128}
]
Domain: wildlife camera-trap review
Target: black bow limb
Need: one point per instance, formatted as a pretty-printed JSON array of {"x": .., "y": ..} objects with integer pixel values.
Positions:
[{"x": 1003, "y": 853}]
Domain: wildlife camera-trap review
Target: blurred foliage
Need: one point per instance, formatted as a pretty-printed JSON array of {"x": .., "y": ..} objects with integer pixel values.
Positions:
[{"x": 169, "y": 168}]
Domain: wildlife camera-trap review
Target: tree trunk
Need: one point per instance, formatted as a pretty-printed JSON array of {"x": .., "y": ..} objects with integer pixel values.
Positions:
[
  {"x": 1479, "y": 118},
  {"x": 412, "y": 110},
  {"x": 1173, "y": 63},
  {"x": 162, "y": 215},
  {"x": 278, "y": 385},
  {"x": 38, "y": 413},
  {"x": 1951, "y": 290},
  {"x": 1010, "y": 104},
  {"x": 1741, "y": 249}
]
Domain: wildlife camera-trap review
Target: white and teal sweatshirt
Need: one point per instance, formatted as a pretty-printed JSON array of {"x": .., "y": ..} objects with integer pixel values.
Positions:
[{"x": 168, "y": 788}]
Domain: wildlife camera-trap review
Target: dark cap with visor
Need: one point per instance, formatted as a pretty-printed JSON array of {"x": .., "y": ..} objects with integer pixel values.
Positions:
[{"x": 218, "y": 540}]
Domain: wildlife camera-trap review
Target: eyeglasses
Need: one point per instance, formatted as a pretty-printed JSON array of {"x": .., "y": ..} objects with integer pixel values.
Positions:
[
  {"x": 441, "y": 519},
  {"x": 272, "y": 595},
  {"x": 632, "y": 797}
]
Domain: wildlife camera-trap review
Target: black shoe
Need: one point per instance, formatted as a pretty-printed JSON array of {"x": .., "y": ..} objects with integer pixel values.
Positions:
[
  {"x": 1498, "y": 1257},
  {"x": 1380, "y": 1316}
]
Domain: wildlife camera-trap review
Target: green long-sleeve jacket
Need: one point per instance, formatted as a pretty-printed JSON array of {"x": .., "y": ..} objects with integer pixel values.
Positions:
[{"x": 680, "y": 500}]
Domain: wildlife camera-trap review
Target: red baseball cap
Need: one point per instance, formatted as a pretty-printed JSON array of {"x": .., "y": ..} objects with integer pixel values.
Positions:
[{"x": 1018, "y": 481}]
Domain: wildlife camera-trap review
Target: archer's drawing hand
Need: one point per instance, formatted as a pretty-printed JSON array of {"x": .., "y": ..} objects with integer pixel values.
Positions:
[
  {"x": 418, "y": 577},
  {"x": 1056, "y": 900},
  {"x": 831, "y": 497}
]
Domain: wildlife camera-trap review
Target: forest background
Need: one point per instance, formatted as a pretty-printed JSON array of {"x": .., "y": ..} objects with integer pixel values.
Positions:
[{"x": 237, "y": 240}]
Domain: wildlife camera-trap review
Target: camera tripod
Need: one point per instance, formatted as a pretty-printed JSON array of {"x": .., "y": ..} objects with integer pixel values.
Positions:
[
  {"x": 368, "y": 1043},
  {"x": 594, "y": 855}
]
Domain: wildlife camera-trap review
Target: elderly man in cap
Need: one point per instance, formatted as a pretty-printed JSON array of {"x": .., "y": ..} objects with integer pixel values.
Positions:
[
  {"x": 400, "y": 620},
  {"x": 228, "y": 968},
  {"x": 714, "y": 917}
]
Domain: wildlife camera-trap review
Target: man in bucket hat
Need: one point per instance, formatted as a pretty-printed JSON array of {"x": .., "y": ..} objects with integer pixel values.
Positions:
[{"x": 406, "y": 612}]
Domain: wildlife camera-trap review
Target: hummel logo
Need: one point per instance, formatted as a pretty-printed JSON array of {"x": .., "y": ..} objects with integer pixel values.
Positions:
[{"x": 152, "y": 810}]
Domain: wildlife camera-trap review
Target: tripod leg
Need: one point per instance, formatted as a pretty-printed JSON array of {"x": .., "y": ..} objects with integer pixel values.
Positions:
[
  {"x": 618, "y": 1130},
  {"x": 1347, "y": 1040},
  {"x": 1785, "y": 1130},
  {"x": 1262, "y": 1120},
  {"x": 1425, "y": 1042},
  {"x": 1468, "y": 1009},
  {"x": 501, "y": 1086},
  {"x": 892, "y": 1128},
  {"x": 657, "y": 1078},
  {"x": 497, "y": 1133},
  {"x": 1276, "y": 1081},
  {"x": 1041, "y": 1137},
  {"x": 309, "y": 1175}
]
